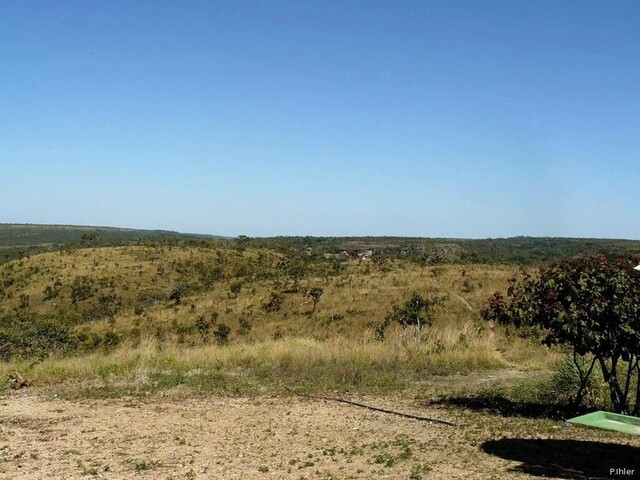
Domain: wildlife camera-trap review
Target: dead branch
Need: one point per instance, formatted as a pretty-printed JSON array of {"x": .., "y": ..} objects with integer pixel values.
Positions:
[
  {"x": 376, "y": 409},
  {"x": 17, "y": 381}
]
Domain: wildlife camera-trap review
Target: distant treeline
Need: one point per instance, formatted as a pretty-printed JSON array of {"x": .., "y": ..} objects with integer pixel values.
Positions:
[
  {"x": 518, "y": 250},
  {"x": 19, "y": 240}
]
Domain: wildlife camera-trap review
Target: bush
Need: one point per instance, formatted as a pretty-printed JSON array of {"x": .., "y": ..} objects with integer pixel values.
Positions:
[
  {"x": 111, "y": 339},
  {"x": 246, "y": 325},
  {"x": 274, "y": 303},
  {"x": 178, "y": 292},
  {"x": 236, "y": 286},
  {"x": 81, "y": 289},
  {"x": 35, "y": 337},
  {"x": 221, "y": 333},
  {"x": 417, "y": 311},
  {"x": 278, "y": 334},
  {"x": 203, "y": 327},
  {"x": 566, "y": 382},
  {"x": 7, "y": 343}
]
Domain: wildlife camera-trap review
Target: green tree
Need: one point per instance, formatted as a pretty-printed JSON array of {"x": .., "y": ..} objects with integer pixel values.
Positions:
[
  {"x": 314, "y": 294},
  {"x": 81, "y": 289},
  {"x": 89, "y": 238},
  {"x": 589, "y": 305},
  {"x": 294, "y": 268},
  {"x": 417, "y": 311},
  {"x": 203, "y": 326}
]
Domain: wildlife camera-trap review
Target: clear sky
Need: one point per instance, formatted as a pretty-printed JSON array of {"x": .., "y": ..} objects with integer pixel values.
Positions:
[{"x": 428, "y": 118}]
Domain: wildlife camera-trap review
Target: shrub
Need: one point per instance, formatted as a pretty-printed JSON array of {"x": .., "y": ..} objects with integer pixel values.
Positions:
[
  {"x": 203, "y": 327},
  {"x": 417, "y": 311},
  {"x": 81, "y": 289},
  {"x": 246, "y": 325},
  {"x": 221, "y": 333},
  {"x": 274, "y": 303},
  {"x": 177, "y": 293},
  {"x": 566, "y": 381},
  {"x": 111, "y": 339},
  {"x": 236, "y": 286}
]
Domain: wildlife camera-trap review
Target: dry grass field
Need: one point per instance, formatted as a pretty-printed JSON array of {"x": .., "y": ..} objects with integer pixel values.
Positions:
[{"x": 132, "y": 333}]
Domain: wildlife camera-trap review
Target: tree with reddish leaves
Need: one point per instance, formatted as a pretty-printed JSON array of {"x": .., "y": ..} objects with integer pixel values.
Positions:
[{"x": 590, "y": 305}]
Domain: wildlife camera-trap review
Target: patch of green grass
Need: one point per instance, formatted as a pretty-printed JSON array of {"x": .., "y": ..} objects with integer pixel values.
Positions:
[
  {"x": 143, "y": 465},
  {"x": 106, "y": 370},
  {"x": 93, "y": 469},
  {"x": 418, "y": 470},
  {"x": 385, "y": 459},
  {"x": 87, "y": 470}
]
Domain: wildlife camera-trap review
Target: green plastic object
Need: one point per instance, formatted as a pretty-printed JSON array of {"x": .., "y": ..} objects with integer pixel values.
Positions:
[{"x": 609, "y": 421}]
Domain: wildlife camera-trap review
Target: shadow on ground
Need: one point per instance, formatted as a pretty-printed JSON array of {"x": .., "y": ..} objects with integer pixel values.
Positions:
[
  {"x": 570, "y": 459},
  {"x": 499, "y": 404}
]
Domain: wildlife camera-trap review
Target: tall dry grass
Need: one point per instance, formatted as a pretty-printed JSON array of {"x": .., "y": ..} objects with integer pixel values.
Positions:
[{"x": 399, "y": 363}]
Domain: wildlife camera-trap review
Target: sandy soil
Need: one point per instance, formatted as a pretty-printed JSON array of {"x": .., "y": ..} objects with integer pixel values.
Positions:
[{"x": 177, "y": 437}]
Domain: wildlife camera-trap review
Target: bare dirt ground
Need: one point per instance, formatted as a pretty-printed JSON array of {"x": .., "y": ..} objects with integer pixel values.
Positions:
[{"x": 175, "y": 436}]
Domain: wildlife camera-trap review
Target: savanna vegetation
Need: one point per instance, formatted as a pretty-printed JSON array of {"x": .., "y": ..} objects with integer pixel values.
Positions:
[{"x": 253, "y": 315}]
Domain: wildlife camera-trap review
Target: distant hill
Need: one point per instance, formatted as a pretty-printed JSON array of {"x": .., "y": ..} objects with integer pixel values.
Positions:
[{"x": 19, "y": 239}]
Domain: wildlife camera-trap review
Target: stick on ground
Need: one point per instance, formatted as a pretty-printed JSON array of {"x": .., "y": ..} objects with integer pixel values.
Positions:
[{"x": 376, "y": 409}]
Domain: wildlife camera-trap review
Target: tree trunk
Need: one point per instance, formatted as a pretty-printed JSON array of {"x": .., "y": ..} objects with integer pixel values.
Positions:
[
  {"x": 628, "y": 378},
  {"x": 610, "y": 376},
  {"x": 636, "y": 408},
  {"x": 584, "y": 378}
]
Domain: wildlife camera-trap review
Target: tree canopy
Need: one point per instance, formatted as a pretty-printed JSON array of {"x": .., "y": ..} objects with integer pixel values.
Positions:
[{"x": 417, "y": 311}]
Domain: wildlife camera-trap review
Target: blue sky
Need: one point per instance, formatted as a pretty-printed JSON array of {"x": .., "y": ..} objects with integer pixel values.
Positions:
[{"x": 430, "y": 118}]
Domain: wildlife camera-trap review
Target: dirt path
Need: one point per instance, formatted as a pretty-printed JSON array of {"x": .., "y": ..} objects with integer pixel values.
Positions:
[{"x": 173, "y": 437}]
